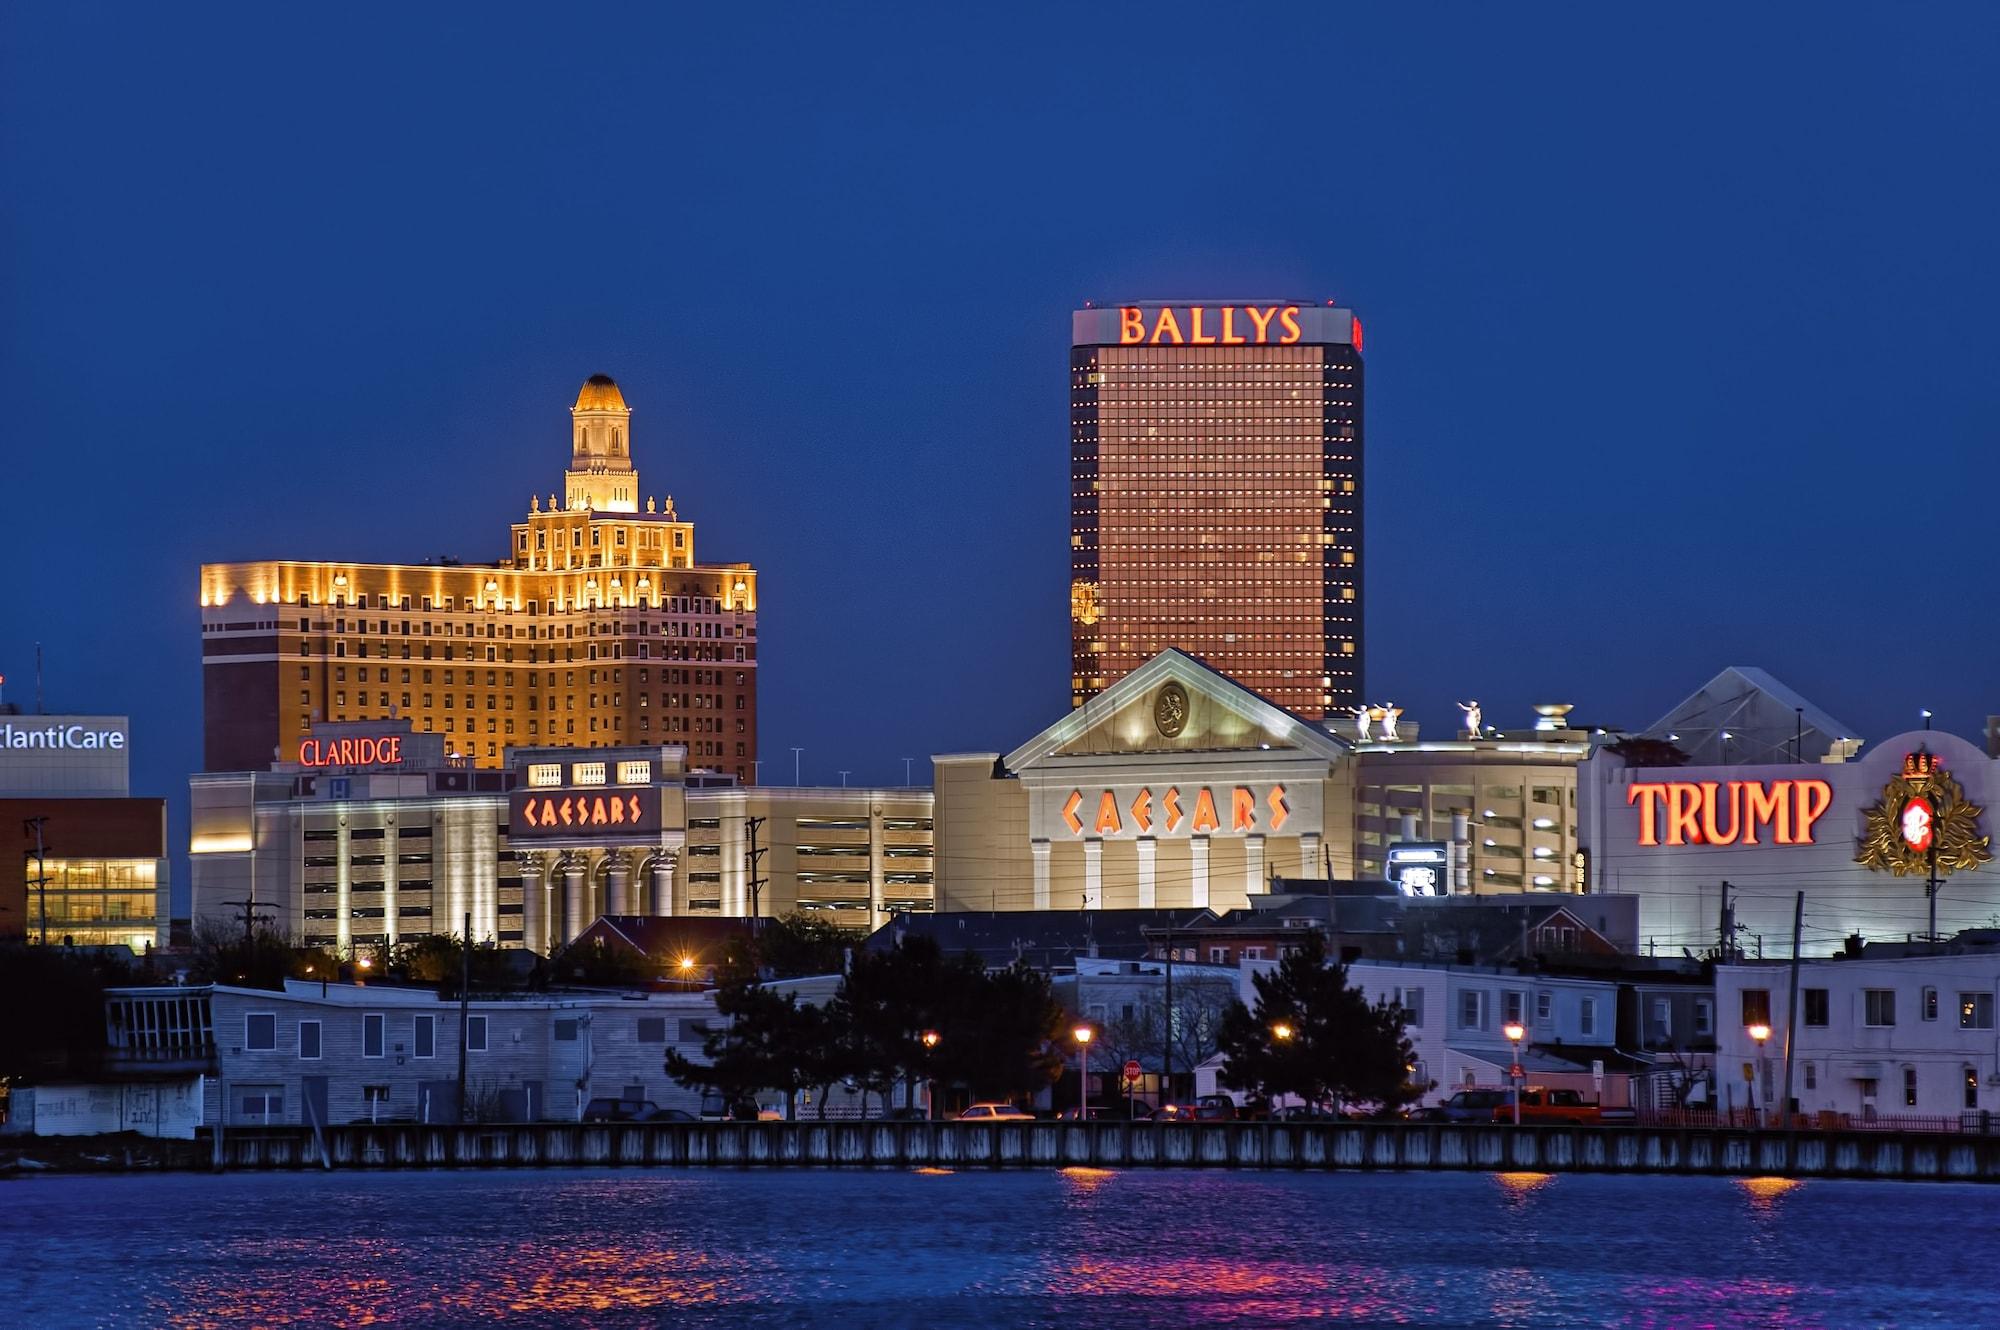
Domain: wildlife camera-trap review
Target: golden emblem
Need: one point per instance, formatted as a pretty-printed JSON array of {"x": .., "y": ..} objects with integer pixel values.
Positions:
[
  {"x": 1923, "y": 817},
  {"x": 1170, "y": 711}
]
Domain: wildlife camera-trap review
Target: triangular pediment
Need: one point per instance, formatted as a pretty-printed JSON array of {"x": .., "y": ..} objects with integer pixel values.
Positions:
[{"x": 1175, "y": 704}]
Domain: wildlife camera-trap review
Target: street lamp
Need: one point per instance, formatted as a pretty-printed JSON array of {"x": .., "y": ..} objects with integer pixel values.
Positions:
[
  {"x": 1515, "y": 1031},
  {"x": 1758, "y": 1031},
  {"x": 1282, "y": 1032},
  {"x": 1082, "y": 1035},
  {"x": 930, "y": 1039}
]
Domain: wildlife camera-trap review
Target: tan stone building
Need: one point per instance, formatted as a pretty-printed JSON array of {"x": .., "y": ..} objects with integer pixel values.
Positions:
[
  {"x": 1177, "y": 786},
  {"x": 597, "y": 628}
]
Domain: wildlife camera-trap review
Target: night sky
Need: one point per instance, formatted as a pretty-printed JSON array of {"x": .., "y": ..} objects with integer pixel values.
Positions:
[{"x": 1680, "y": 328}]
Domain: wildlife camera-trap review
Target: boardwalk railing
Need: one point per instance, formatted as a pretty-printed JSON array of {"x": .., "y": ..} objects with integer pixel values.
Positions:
[
  {"x": 1636, "y": 1148},
  {"x": 1974, "y": 1122}
]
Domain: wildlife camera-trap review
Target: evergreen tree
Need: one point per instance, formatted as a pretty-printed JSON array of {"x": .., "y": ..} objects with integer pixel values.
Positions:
[{"x": 1314, "y": 1036}]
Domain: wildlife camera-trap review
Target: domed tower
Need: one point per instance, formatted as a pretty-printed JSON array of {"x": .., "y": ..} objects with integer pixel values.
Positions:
[{"x": 600, "y": 475}]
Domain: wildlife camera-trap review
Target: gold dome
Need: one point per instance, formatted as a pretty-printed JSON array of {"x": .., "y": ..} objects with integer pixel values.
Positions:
[{"x": 600, "y": 393}]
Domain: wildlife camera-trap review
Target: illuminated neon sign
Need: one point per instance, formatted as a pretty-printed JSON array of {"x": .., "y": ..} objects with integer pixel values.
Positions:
[
  {"x": 357, "y": 752},
  {"x": 1209, "y": 325},
  {"x": 535, "y": 814},
  {"x": 1168, "y": 812},
  {"x": 1708, "y": 812}
]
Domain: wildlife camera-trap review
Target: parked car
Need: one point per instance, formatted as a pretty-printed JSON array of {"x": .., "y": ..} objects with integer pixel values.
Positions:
[
  {"x": 1174, "y": 1113},
  {"x": 1473, "y": 1105},
  {"x": 1540, "y": 1105},
  {"x": 995, "y": 1113},
  {"x": 1097, "y": 1112},
  {"x": 1215, "y": 1108},
  {"x": 908, "y": 1115},
  {"x": 1305, "y": 1113},
  {"x": 673, "y": 1115},
  {"x": 619, "y": 1110}
]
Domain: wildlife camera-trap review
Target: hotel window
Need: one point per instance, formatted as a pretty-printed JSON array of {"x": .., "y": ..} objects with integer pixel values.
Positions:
[
  {"x": 309, "y": 1040},
  {"x": 635, "y": 773},
  {"x": 587, "y": 773},
  {"x": 260, "y": 1032},
  {"x": 1975, "y": 1011},
  {"x": 371, "y": 1034},
  {"x": 1878, "y": 1006}
]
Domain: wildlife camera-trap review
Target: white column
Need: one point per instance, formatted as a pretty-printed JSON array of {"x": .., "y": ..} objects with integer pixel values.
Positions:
[
  {"x": 1254, "y": 881},
  {"x": 343, "y": 896},
  {"x": 876, "y": 869},
  {"x": 1309, "y": 864},
  {"x": 1148, "y": 872},
  {"x": 1093, "y": 875},
  {"x": 663, "y": 885},
  {"x": 534, "y": 879},
  {"x": 390, "y": 845},
  {"x": 1040, "y": 850},
  {"x": 618, "y": 879},
  {"x": 576, "y": 889},
  {"x": 1198, "y": 872}
]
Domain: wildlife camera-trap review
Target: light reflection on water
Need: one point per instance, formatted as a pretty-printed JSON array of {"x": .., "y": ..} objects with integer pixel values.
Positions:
[{"x": 931, "y": 1246}]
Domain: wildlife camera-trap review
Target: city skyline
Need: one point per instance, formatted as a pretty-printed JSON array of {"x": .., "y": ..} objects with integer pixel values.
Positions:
[{"x": 866, "y": 412}]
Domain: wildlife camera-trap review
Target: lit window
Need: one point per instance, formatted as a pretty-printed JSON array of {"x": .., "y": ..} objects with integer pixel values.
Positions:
[
  {"x": 542, "y": 774},
  {"x": 635, "y": 773},
  {"x": 587, "y": 773}
]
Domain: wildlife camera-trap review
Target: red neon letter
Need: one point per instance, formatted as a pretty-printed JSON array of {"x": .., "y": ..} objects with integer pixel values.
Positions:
[
  {"x": 1709, "y": 833},
  {"x": 1171, "y": 806},
  {"x": 1230, "y": 337},
  {"x": 1107, "y": 813},
  {"x": 1242, "y": 809},
  {"x": 1813, "y": 796},
  {"x": 1204, "y": 812},
  {"x": 1262, "y": 318},
  {"x": 1647, "y": 795},
  {"x": 1167, "y": 322},
  {"x": 1290, "y": 318},
  {"x": 1770, "y": 807},
  {"x": 1131, "y": 326},
  {"x": 1070, "y": 805},
  {"x": 1142, "y": 810},
  {"x": 1683, "y": 813},
  {"x": 1280, "y": 810},
  {"x": 1194, "y": 333}
]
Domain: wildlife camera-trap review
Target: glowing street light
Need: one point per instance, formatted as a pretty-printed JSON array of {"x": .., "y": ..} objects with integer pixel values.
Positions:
[
  {"x": 1082, "y": 1034},
  {"x": 1758, "y": 1031},
  {"x": 1282, "y": 1031},
  {"x": 930, "y": 1041},
  {"x": 1515, "y": 1032}
]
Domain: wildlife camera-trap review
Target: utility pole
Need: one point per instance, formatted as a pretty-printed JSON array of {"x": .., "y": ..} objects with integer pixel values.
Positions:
[
  {"x": 33, "y": 826},
  {"x": 464, "y": 1008},
  {"x": 798, "y": 766},
  {"x": 1167, "y": 1033},
  {"x": 755, "y": 855},
  {"x": 249, "y": 908},
  {"x": 1727, "y": 928},
  {"x": 1792, "y": 1009}
]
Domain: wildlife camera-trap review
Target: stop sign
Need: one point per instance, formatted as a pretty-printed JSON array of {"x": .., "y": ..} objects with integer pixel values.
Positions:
[{"x": 1132, "y": 1071}]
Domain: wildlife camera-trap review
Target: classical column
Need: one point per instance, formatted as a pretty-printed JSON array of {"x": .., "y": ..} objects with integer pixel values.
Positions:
[
  {"x": 1198, "y": 872},
  {"x": 1093, "y": 875},
  {"x": 663, "y": 884},
  {"x": 618, "y": 882},
  {"x": 1309, "y": 865},
  {"x": 343, "y": 890},
  {"x": 390, "y": 845},
  {"x": 576, "y": 894},
  {"x": 1148, "y": 872},
  {"x": 534, "y": 905},
  {"x": 1040, "y": 849},
  {"x": 1254, "y": 881}
]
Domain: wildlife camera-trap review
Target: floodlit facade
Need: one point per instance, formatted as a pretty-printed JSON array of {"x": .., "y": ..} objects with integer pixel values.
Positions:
[
  {"x": 1215, "y": 496},
  {"x": 384, "y": 837},
  {"x": 597, "y": 628}
]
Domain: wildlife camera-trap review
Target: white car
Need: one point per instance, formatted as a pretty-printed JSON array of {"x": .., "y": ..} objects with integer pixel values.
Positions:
[{"x": 995, "y": 1113}]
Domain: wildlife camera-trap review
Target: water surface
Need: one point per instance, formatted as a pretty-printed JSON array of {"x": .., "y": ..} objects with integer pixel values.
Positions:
[{"x": 930, "y": 1248}]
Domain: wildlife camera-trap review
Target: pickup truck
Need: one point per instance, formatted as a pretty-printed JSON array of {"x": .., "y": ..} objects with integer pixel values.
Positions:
[{"x": 1539, "y": 1105}]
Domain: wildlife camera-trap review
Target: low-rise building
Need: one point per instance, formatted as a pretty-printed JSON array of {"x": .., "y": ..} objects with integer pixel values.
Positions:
[
  {"x": 1877, "y": 1038},
  {"x": 318, "y": 1054}
]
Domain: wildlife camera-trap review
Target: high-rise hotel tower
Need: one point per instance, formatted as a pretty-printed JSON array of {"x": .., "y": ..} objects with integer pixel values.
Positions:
[
  {"x": 598, "y": 629},
  {"x": 1215, "y": 496}
]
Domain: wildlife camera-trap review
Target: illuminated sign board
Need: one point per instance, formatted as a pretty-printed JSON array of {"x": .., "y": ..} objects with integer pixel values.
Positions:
[
  {"x": 1421, "y": 868},
  {"x": 58, "y": 736},
  {"x": 1215, "y": 325},
  {"x": 1708, "y": 812},
  {"x": 579, "y": 814},
  {"x": 352, "y": 751},
  {"x": 1105, "y": 814}
]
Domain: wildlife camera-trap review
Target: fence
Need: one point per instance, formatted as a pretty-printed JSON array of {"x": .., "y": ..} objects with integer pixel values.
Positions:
[{"x": 1977, "y": 1123}]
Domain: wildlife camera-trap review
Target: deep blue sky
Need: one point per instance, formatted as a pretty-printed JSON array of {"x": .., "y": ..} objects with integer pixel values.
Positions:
[{"x": 1680, "y": 327}]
